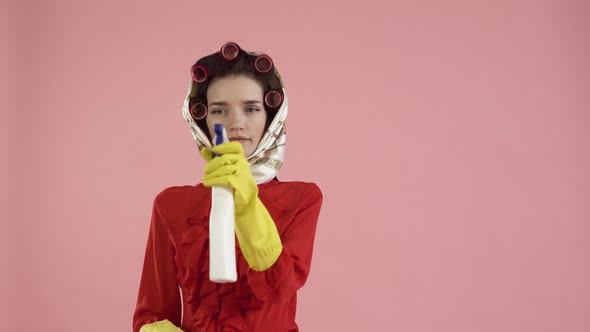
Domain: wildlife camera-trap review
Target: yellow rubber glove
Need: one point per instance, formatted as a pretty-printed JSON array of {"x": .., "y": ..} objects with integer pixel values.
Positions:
[
  {"x": 160, "y": 326},
  {"x": 256, "y": 231}
]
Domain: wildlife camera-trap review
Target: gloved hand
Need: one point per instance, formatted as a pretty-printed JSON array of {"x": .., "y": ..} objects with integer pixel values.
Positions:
[
  {"x": 160, "y": 326},
  {"x": 256, "y": 231},
  {"x": 231, "y": 168}
]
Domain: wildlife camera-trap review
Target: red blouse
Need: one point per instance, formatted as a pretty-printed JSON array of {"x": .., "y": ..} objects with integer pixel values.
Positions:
[{"x": 175, "y": 281}]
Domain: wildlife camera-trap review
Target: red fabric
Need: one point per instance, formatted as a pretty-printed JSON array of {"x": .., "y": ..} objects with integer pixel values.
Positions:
[{"x": 177, "y": 257}]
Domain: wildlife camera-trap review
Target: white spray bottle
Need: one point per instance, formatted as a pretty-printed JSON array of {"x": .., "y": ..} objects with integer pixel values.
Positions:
[{"x": 222, "y": 250}]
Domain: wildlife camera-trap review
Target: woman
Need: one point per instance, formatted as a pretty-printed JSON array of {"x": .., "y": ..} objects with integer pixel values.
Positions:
[{"x": 275, "y": 222}]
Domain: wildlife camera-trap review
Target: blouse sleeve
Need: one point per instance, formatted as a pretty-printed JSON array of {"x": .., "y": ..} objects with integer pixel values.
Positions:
[
  {"x": 289, "y": 273},
  {"x": 159, "y": 296}
]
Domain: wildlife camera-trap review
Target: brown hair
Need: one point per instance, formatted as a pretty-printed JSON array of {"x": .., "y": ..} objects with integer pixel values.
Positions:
[{"x": 243, "y": 65}]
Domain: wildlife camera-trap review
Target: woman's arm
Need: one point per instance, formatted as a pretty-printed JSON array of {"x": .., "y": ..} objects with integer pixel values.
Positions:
[
  {"x": 289, "y": 272},
  {"x": 278, "y": 266},
  {"x": 159, "y": 296}
]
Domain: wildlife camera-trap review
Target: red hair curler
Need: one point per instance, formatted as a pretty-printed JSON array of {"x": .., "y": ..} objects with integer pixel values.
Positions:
[
  {"x": 229, "y": 51},
  {"x": 273, "y": 99},
  {"x": 263, "y": 63},
  {"x": 198, "y": 111},
  {"x": 199, "y": 73}
]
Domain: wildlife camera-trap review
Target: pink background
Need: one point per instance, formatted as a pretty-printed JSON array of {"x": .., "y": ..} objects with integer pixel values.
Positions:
[{"x": 451, "y": 140}]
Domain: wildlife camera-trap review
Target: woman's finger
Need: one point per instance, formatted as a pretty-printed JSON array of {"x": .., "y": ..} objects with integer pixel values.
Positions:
[
  {"x": 229, "y": 148},
  {"x": 218, "y": 181},
  {"x": 225, "y": 170},
  {"x": 206, "y": 154},
  {"x": 220, "y": 161}
]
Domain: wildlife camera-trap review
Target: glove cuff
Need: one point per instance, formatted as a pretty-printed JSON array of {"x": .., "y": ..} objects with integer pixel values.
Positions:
[
  {"x": 258, "y": 236},
  {"x": 160, "y": 326}
]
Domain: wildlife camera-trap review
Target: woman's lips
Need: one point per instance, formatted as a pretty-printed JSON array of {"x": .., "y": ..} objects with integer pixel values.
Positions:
[{"x": 239, "y": 139}]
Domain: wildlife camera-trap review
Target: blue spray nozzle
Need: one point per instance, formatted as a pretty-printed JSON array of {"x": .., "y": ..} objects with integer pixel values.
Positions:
[
  {"x": 218, "y": 133},
  {"x": 218, "y": 136}
]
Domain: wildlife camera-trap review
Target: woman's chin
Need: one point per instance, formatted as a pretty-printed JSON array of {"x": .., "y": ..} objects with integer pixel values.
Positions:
[{"x": 248, "y": 149}]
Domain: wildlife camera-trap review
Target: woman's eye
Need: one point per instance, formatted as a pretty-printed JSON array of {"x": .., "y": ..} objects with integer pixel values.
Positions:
[
  {"x": 253, "y": 109},
  {"x": 217, "y": 111}
]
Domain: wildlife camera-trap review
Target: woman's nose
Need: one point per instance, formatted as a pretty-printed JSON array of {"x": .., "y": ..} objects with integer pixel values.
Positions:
[{"x": 236, "y": 120}]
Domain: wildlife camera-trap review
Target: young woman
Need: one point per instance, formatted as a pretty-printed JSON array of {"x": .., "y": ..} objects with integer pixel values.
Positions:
[{"x": 275, "y": 221}]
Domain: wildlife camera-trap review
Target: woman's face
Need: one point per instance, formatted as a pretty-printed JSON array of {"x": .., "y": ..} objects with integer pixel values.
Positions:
[{"x": 237, "y": 103}]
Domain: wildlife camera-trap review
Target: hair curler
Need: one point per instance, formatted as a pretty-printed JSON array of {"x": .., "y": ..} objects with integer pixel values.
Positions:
[
  {"x": 273, "y": 99},
  {"x": 199, "y": 73},
  {"x": 222, "y": 241},
  {"x": 198, "y": 111},
  {"x": 263, "y": 63},
  {"x": 229, "y": 51}
]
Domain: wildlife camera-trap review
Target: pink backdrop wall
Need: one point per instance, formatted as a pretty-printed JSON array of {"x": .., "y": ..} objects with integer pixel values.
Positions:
[{"x": 451, "y": 140}]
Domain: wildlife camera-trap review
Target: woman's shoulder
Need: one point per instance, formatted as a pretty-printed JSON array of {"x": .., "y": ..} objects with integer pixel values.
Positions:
[
  {"x": 190, "y": 195},
  {"x": 301, "y": 185},
  {"x": 182, "y": 195},
  {"x": 182, "y": 190},
  {"x": 295, "y": 189}
]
